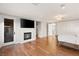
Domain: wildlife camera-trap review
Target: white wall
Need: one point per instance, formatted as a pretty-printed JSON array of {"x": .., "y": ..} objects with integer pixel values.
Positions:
[
  {"x": 43, "y": 29},
  {"x": 19, "y": 32},
  {"x": 68, "y": 27},
  {"x": 1, "y": 31}
]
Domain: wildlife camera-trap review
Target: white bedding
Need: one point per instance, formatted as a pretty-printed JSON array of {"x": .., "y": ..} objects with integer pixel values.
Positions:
[{"x": 74, "y": 39}]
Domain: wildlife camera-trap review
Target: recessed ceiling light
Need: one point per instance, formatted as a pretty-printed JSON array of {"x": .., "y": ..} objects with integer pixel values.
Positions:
[
  {"x": 36, "y": 4},
  {"x": 59, "y": 17},
  {"x": 53, "y": 24},
  {"x": 62, "y": 6}
]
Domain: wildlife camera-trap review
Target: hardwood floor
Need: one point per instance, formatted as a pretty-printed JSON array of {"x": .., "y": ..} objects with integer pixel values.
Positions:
[{"x": 40, "y": 47}]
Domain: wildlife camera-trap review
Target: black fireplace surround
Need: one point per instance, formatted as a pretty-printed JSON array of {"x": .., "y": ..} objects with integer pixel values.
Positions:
[{"x": 27, "y": 35}]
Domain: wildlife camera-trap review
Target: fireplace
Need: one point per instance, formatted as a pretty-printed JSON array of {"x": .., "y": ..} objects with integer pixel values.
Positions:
[{"x": 27, "y": 35}]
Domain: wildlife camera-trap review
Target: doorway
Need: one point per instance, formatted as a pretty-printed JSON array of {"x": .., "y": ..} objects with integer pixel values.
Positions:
[
  {"x": 51, "y": 29},
  {"x": 8, "y": 30},
  {"x": 38, "y": 28}
]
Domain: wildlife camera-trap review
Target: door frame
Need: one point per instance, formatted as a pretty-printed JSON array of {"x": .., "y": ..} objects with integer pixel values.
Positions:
[
  {"x": 13, "y": 42},
  {"x": 37, "y": 36},
  {"x": 52, "y": 31}
]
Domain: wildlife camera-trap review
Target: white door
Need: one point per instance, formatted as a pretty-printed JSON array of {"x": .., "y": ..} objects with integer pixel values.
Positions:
[{"x": 51, "y": 29}]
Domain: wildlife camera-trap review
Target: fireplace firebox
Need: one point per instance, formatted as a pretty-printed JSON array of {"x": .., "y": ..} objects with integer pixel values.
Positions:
[{"x": 27, "y": 35}]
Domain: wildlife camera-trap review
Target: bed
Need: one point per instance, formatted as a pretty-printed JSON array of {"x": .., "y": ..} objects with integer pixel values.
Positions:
[{"x": 69, "y": 40}]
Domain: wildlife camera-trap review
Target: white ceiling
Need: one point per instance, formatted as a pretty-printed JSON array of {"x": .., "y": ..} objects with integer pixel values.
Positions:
[{"x": 41, "y": 11}]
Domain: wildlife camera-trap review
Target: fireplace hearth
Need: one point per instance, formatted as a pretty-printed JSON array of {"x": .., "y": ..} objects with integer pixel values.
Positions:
[{"x": 27, "y": 35}]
